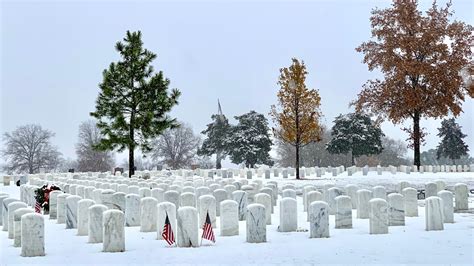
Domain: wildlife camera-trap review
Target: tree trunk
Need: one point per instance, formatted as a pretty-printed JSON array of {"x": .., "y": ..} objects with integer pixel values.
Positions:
[
  {"x": 416, "y": 139},
  {"x": 352, "y": 158},
  {"x": 297, "y": 162},
  {"x": 218, "y": 160},
  {"x": 131, "y": 162},
  {"x": 131, "y": 147}
]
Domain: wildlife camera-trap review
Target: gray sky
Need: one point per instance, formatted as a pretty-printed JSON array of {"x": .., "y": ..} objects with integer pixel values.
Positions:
[{"x": 53, "y": 54}]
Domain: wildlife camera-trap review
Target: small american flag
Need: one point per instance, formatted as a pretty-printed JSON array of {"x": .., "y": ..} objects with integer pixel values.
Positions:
[
  {"x": 168, "y": 232},
  {"x": 207, "y": 232},
  {"x": 37, "y": 207}
]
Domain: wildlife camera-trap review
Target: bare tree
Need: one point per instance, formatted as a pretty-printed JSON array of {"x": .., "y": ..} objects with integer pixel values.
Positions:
[
  {"x": 205, "y": 162},
  {"x": 315, "y": 154},
  {"x": 141, "y": 163},
  {"x": 89, "y": 159},
  {"x": 394, "y": 153},
  {"x": 28, "y": 148},
  {"x": 176, "y": 147}
]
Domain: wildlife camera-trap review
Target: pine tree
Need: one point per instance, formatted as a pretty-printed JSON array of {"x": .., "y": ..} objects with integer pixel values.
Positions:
[
  {"x": 420, "y": 57},
  {"x": 357, "y": 134},
  {"x": 452, "y": 145},
  {"x": 298, "y": 117},
  {"x": 217, "y": 134},
  {"x": 250, "y": 141},
  {"x": 133, "y": 102}
]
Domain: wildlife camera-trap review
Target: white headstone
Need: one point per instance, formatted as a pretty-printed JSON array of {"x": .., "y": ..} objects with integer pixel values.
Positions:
[
  {"x": 229, "y": 189},
  {"x": 12, "y": 207},
  {"x": 269, "y": 192},
  {"x": 83, "y": 216},
  {"x": 148, "y": 214},
  {"x": 312, "y": 197},
  {"x": 431, "y": 189},
  {"x": 241, "y": 198},
  {"x": 332, "y": 193},
  {"x": 256, "y": 225},
  {"x": 343, "y": 216},
  {"x": 144, "y": 192},
  {"x": 461, "y": 195},
  {"x": 379, "y": 192},
  {"x": 207, "y": 204},
  {"x": 173, "y": 197},
  {"x": 440, "y": 185},
  {"x": 229, "y": 218},
  {"x": 266, "y": 201},
  {"x": 396, "y": 209},
  {"x": 6, "y": 180},
  {"x": 288, "y": 193},
  {"x": 220, "y": 195},
  {"x": 132, "y": 210},
  {"x": 352, "y": 193},
  {"x": 363, "y": 208},
  {"x": 5, "y": 204},
  {"x": 402, "y": 185},
  {"x": 378, "y": 222},
  {"x": 187, "y": 199},
  {"x": 61, "y": 208},
  {"x": 434, "y": 213},
  {"x": 188, "y": 231},
  {"x": 251, "y": 191},
  {"x": 32, "y": 235},
  {"x": 118, "y": 201},
  {"x": 285, "y": 173},
  {"x": 288, "y": 215},
  {"x": 53, "y": 204},
  {"x": 17, "y": 225},
  {"x": 114, "y": 231},
  {"x": 306, "y": 190},
  {"x": 163, "y": 209},
  {"x": 2, "y": 198},
  {"x": 448, "y": 208},
  {"x": 95, "y": 223},
  {"x": 71, "y": 211},
  {"x": 318, "y": 219}
]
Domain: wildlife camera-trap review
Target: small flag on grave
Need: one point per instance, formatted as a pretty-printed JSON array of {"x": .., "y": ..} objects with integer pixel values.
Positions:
[
  {"x": 168, "y": 232},
  {"x": 207, "y": 232},
  {"x": 37, "y": 207}
]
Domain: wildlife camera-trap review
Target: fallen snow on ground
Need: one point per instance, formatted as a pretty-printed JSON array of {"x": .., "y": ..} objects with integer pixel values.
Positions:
[
  {"x": 409, "y": 244},
  {"x": 388, "y": 180}
]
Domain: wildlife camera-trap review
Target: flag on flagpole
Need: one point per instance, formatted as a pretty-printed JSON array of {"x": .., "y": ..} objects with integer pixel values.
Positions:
[
  {"x": 168, "y": 232},
  {"x": 37, "y": 207},
  {"x": 207, "y": 232}
]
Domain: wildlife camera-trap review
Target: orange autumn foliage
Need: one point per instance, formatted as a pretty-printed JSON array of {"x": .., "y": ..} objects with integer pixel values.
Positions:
[
  {"x": 297, "y": 116},
  {"x": 420, "y": 57}
]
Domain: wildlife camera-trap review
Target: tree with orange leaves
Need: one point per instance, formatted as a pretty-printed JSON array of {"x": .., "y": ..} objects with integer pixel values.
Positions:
[
  {"x": 297, "y": 115},
  {"x": 420, "y": 57}
]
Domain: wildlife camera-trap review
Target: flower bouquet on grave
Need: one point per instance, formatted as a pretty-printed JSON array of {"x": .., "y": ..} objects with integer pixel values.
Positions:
[{"x": 42, "y": 197}]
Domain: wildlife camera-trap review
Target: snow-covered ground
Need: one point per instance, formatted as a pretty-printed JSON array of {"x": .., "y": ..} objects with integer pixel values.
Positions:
[
  {"x": 388, "y": 180},
  {"x": 409, "y": 244}
]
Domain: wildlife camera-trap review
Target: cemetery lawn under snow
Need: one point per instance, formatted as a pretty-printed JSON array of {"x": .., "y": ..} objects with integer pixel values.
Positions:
[{"x": 404, "y": 244}]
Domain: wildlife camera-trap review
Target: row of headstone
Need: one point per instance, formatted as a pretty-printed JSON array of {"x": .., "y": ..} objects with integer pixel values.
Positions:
[
  {"x": 267, "y": 173},
  {"x": 24, "y": 227},
  {"x": 242, "y": 198},
  {"x": 70, "y": 208}
]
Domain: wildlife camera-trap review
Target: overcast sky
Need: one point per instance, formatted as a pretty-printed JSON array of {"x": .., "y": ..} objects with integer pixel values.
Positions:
[{"x": 53, "y": 54}]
